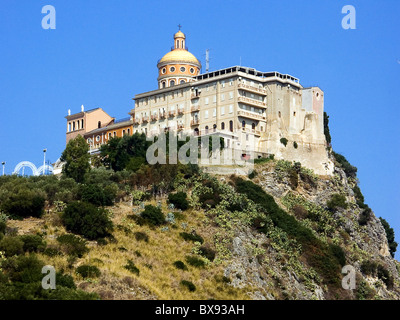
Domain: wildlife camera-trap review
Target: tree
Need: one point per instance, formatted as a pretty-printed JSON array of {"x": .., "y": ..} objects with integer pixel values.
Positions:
[
  {"x": 326, "y": 129},
  {"x": 390, "y": 236},
  {"x": 76, "y": 159}
]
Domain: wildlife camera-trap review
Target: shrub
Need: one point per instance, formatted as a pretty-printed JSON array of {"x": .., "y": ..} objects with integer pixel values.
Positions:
[
  {"x": 207, "y": 252},
  {"x": 338, "y": 253},
  {"x": 3, "y": 227},
  {"x": 73, "y": 245},
  {"x": 295, "y": 145},
  {"x": 348, "y": 169},
  {"x": 11, "y": 246},
  {"x": 132, "y": 268},
  {"x": 141, "y": 236},
  {"x": 284, "y": 141},
  {"x": 180, "y": 265},
  {"x": 65, "y": 280},
  {"x": 189, "y": 285},
  {"x": 390, "y": 236},
  {"x": 138, "y": 196},
  {"x": 359, "y": 197},
  {"x": 337, "y": 201},
  {"x": 179, "y": 200},
  {"x": 191, "y": 237},
  {"x": 195, "y": 262},
  {"x": 87, "y": 220},
  {"x": 33, "y": 243},
  {"x": 252, "y": 174},
  {"x": 153, "y": 215},
  {"x": 24, "y": 203},
  {"x": 87, "y": 271},
  {"x": 365, "y": 216},
  {"x": 96, "y": 195},
  {"x": 264, "y": 160},
  {"x": 24, "y": 269}
]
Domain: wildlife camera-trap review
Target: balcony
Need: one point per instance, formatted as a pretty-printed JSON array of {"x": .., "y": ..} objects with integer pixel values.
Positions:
[
  {"x": 252, "y": 102},
  {"x": 252, "y": 88},
  {"x": 195, "y": 108},
  {"x": 163, "y": 115},
  {"x": 180, "y": 111},
  {"x": 181, "y": 127},
  {"x": 171, "y": 114},
  {"x": 145, "y": 119},
  {"x": 136, "y": 121},
  {"x": 251, "y": 115},
  {"x": 195, "y": 122},
  {"x": 154, "y": 117},
  {"x": 254, "y": 131},
  {"x": 195, "y": 95}
]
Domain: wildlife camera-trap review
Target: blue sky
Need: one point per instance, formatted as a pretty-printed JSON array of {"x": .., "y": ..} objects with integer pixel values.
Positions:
[{"x": 102, "y": 53}]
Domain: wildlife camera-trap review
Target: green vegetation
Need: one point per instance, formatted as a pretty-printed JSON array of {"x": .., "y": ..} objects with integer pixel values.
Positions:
[
  {"x": 195, "y": 262},
  {"x": 284, "y": 141},
  {"x": 141, "y": 236},
  {"x": 191, "y": 237},
  {"x": 130, "y": 266},
  {"x": 264, "y": 160},
  {"x": 76, "y": 158},
  {"x": 179, "y": 200},
  {"x": 87, "y": 220},
  {"x": 72, "y": 245},
  {"x": 349, "y": 170},
  {"x": 326, "y": 129},
  {"x": 180, "y": 265},
  {"x": 295, "y": 145},
  {"x": 337, "y": 201},
  {"x": 153, "y": 215},
  {"x": 390, "y": 236},
  {"x": 189, "y": 285},
  {"x": 375, "y": 269},
  {"x": 88, "y": 271}
]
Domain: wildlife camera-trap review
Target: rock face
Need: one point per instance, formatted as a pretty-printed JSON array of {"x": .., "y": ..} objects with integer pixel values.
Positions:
[{"x": 363, "y": 245}]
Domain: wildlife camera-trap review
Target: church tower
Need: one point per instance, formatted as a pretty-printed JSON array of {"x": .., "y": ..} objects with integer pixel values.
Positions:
[{"x": 177, "y": 66}]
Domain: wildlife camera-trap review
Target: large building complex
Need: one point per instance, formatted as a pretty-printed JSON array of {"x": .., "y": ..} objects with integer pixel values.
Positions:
[{"x": 269, "y": 110}]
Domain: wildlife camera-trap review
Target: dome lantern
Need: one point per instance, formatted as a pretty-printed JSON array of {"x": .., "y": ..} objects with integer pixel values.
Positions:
[{"x": 178, "y": 66}]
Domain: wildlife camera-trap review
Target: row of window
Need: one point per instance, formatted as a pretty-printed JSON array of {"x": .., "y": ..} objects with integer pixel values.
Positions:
[
  {"x": 110, "y": 135},
  {"x": 75, "y": 125},
  {"x": 181, "y": 69}
]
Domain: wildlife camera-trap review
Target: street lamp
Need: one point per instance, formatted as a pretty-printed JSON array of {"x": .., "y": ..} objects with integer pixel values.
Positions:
[
  {"x": 3, "y": 163},
  {"x": 44, "y": 161}
]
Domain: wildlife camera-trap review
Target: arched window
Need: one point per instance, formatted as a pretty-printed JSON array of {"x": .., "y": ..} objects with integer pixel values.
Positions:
[
  {"x": 214, "y": 127},
  {"x": 99, "y": 124},
  {"x": 82, "y": 124},
  {"x": 223, "y": 126},
  {"x": 243, "y": 124},
  {"x": 253, "y": 125},
  {"x": 196, "y": 131},
  {"x": 177, "y": 43},
  {"x": 206, "y": 129},
  {"x": 182, "y": 81},
  {"x": 172, "y": 83},
  {"x": 163, "y": 84},
  {"x": 231, "y": 126},
  {"x": 73, "y": 126}
]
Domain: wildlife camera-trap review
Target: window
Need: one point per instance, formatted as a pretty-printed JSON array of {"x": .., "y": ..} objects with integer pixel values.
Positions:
[
  {"x": 222, "y": 96},
  {"x": 97, "y": 138},
  {"x": 214, "y": 127},
  {"x": 206, "y": 129},
  {"x": 99, "y": 124},
  {"x": 206, "y": 114},
  {"x": 115, "y": 134},
  {"x": 294, "y": 113},
  {"x": 172, "y": 69},
  {"x": 182, "y": 82},
  {"x": 214, "y": 99},
  {"x": 163, "y": 85},
  {"x": 191, "y": 70},
  {"x": 172, "y": 83},
  {"x": 82, "y": 124},
  {"x": 279, "y": 114},
  {"x": 214, "y": 112},
  {"x": 230, "y": 82},
  {"x": 230, "y": 108},
  {"x": 73, "y": 126},
  {"x": 223, "y": 83},
  {"x": 253, "y": 126},
  {"x": 206, "y": 100},
  {"x": 109, "y": 135},
  {"x": 247, "y": 137},
  {"x": 164, "y": 70},
  {"x": 177, "y": 43},
  {"x": 231, "y": 95},
  {"x": 222, "y": 111},
  {"x": 183, "y": 69},
  {"x": 230, "y": 126},
  {"x": 243, "y": 124},
  {"x": 207, "y": 88},
  {"x": 223, "y": 126}
]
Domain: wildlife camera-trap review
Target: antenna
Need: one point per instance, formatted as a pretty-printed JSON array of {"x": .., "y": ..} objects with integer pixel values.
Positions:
[{"x": 207, "y": 60}]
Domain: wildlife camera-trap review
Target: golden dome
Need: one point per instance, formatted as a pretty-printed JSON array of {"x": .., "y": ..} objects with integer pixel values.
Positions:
[
  {"x": 179, "y": 55},
  {"x": 179, "y": 34}
]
